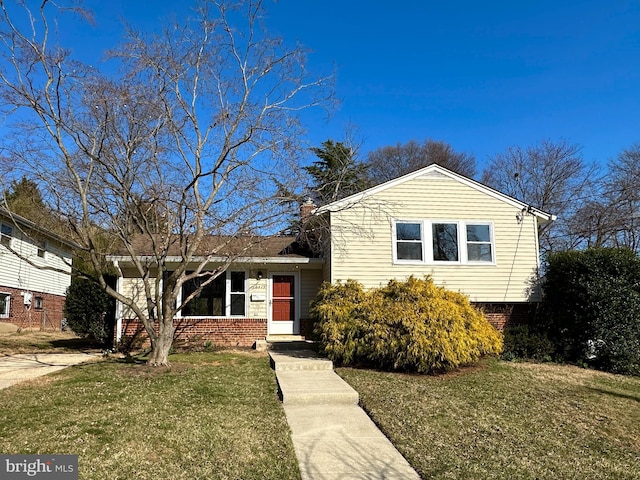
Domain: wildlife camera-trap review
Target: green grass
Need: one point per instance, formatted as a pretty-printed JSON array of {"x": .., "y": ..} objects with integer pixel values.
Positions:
[
  {"x": 508, "y": 421},
  {"x": 211, "y": 416}
]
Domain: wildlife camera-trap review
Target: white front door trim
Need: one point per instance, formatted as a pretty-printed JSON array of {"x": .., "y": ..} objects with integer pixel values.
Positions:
[{"x": 283, "y": 327}]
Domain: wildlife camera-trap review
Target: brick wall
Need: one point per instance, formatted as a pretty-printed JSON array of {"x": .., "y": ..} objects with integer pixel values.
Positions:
[
  {"x": 227, "y": 332},
  {"x": 49, "y": 317},
  {"x": 502, "y": 315}
]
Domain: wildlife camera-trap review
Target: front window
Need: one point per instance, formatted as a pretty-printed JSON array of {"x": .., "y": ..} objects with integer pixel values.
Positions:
[
  {"x": 5, "y": 300},
  {"x": 6, "y": 232},
  {"x": 224, "y": 296},
  {"x": 445, "y": 242},
  {"x": 426, "y": 241},
  {"x": 409, "y": 241},
  {"x": 210, "y": 300},
  {"x": 238, "y": 296},
  {"x": 479, "y": 243}
]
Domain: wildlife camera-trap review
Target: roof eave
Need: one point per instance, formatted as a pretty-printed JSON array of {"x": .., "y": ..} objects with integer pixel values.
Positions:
[
  {"x": 198, "y": 259},
  {"x": 33, "y": 226}
]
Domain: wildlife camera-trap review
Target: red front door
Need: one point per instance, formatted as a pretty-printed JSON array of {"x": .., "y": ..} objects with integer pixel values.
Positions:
[{"x": 283, "y": 297}]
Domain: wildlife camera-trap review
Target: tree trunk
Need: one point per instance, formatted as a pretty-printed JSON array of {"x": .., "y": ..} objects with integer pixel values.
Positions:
[{"x": 160, "y": 347}]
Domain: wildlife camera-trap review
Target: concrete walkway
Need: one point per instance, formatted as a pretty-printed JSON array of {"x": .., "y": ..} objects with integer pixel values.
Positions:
[
  {"x": 21, "y": 367},
  {"x": 332, "y": 436}
]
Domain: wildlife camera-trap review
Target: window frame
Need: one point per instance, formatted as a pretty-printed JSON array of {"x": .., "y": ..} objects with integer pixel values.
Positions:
[
  {"x": 38, "y": 303},
  {"x": 422, "y": 242},
  {"x": 7, "y": 305},
  {"x": 41, "y": 248},
  {"x": 227, "y": 297},
  {"x": 237, "y": 293},
  {"x": 427, "y": 242},
  {"x": 459, "y": 255},
  {"x": 491, "y": 243}
]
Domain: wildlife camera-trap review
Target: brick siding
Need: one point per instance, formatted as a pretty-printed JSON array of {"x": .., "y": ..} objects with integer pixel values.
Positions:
[
  {"x": 49, "y": 317},
  {"x": 227, "y": 332},
  {"x": 502, "y": 315}
]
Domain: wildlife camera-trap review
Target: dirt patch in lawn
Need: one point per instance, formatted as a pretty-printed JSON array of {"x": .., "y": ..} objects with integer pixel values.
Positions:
[
  {"x": 6, "y": 328},
  {"x": 36, "y": 341}
]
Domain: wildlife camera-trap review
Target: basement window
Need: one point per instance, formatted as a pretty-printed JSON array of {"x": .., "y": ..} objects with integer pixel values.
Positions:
[{"x": 5, "y": 300}]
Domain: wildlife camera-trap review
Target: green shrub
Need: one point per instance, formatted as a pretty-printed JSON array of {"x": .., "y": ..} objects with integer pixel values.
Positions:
[
  {"x": 89, "y": 311},
  {"x": 522, "y": 342},
  {"x": 409, "y": 326},
  {"x": 591, "y": 308}
]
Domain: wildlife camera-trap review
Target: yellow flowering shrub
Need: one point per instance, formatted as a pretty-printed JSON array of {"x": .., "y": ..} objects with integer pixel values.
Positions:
[
  {"x": 337, "y": 321},
  {"x": 409, "y": 326}
]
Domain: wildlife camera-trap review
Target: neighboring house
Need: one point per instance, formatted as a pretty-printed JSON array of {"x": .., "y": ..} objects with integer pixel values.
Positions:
[
  {"x": 35, "y": 272},
  {"x": 466, "y": 236}
]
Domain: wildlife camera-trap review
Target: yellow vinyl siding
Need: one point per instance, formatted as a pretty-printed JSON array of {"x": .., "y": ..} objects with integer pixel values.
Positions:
[
  {"x": 310, "y": 281},
  {"x": 258, "y": 287},
  {"x": 365, "y": 253},
  {"x": 133, "y": 288}
]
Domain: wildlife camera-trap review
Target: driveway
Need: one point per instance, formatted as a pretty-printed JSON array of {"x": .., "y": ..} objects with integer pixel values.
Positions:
[{"x": 20, "y": 367}]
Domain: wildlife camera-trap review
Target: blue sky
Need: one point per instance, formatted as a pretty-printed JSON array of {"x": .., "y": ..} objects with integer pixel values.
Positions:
[{"x": 481, "y": 76}]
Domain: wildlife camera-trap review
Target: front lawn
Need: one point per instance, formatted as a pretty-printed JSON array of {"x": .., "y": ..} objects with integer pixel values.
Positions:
[
  {"x": 211, "y": 416},
  {"x": 508, "y": 421}
]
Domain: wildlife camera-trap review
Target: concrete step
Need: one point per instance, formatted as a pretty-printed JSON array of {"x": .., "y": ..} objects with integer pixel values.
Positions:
[
  {"x": 292, "y": 345},
  {"x": 298, "y": 360},
  {"x": 284, "y": 338},
  {"x": 290, "y": 342},
  {"x": 320, "y": 387}
]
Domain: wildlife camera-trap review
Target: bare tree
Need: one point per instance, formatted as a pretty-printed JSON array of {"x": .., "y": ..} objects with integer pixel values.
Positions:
[
  {"x": 550, "y": 176},
  {"x": 621, "y": 200},
  {"x": 391, "y": 162},
  {"x": 190, "y": 142}
]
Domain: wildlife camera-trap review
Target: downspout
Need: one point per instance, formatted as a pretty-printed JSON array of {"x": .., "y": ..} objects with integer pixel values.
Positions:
[
  {"x": 538, "y": 286},
  {"x": 119, "y": 308}
]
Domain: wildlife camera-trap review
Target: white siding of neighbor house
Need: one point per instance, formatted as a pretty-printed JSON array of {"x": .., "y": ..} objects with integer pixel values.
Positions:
[
  {"x": 362, "y": 243},
  {"x": 18, "y": 273}
]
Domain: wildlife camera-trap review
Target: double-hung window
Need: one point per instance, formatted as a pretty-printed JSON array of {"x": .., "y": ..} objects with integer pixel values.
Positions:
[
  {"x": 409, "y": 241},
  {"x": 479, "y": 243},
  {"x": 237, "y": 293},
  {"x": 434, "y": 241},
  {"x": 224, "y": 296}
]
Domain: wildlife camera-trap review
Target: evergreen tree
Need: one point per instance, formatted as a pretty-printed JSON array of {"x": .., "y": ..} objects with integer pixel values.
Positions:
[
  {"x": 23, "y": 198},
  {"x": 336, "y": 174}
]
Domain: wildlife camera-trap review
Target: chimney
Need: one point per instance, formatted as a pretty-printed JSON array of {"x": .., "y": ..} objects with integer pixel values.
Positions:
[{"x": 306, "y": 208}]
